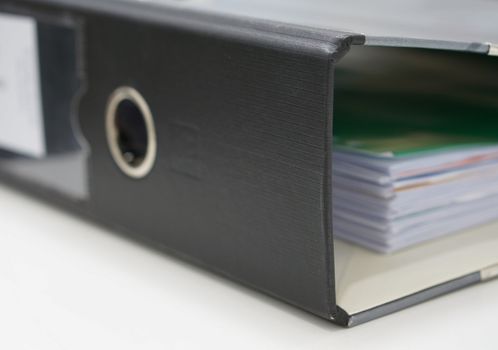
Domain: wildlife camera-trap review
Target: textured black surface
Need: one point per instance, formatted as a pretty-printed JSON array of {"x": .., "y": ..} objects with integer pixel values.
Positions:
[{"x": 243, "y": 120}]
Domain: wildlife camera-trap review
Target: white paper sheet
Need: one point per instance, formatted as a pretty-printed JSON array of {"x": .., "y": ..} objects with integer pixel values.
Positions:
[
  {"x": 375, "y": 208},
  {"x": 21, "y": 115}
]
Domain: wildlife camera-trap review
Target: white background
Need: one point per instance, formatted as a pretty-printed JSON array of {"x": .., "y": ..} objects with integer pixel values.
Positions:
[{"x": 67, "y": 284}]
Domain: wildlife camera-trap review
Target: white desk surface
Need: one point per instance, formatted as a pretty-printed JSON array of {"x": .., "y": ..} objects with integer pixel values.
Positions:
[{"x": 67, "y": 284}]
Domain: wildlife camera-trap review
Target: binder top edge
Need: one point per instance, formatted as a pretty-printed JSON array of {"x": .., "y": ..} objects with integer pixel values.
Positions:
[
  {"x": 332, "y": 42},
  {"x": 474, "y": 47},
  {"x": 314, "y": 21}
]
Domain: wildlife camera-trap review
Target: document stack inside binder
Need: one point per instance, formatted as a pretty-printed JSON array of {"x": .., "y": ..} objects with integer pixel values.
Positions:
[{"x": 400, "y": 187}]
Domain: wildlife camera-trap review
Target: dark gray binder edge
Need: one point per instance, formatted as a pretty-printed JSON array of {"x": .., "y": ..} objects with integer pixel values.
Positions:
[{"x": 410, "y": 300}]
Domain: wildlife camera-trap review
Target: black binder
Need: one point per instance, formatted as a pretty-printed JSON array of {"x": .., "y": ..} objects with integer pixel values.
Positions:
[{"x": 240, "y": 178}]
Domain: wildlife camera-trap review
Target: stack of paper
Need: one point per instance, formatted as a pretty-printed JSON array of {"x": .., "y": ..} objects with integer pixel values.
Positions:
[{"x": 394, "y": 190}]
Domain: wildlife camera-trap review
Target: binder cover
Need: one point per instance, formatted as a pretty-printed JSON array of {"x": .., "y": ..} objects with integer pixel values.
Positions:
[{"x": 242, "y": 108}]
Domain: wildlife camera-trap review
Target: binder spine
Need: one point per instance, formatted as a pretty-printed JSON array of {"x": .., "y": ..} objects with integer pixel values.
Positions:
[{"x": 241, "y": 184}]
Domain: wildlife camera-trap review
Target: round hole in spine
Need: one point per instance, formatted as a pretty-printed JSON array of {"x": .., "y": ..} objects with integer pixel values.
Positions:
[{"x": 130, "y": 131}]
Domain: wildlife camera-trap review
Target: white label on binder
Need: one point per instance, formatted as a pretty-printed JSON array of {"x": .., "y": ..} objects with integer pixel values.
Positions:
[{"x": 21, "y": 116}]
